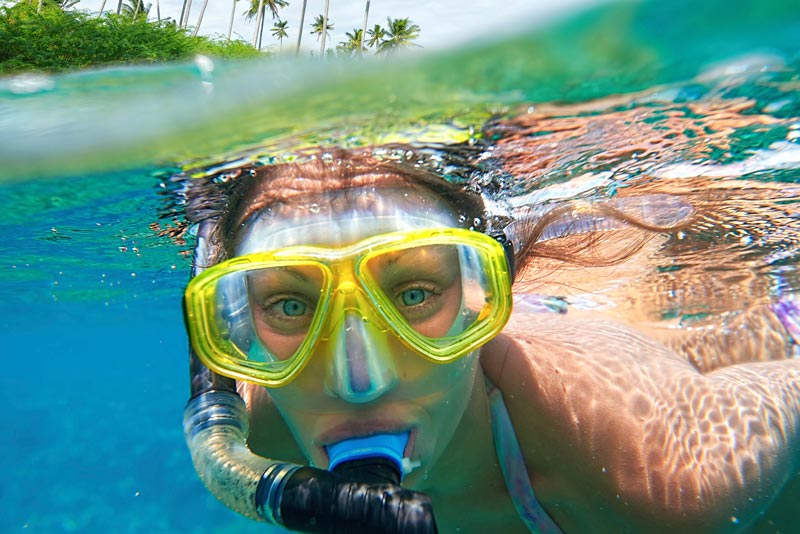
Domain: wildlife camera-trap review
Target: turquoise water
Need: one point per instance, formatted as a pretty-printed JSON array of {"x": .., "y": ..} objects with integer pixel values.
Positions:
[{"x": 96, "y": 375}]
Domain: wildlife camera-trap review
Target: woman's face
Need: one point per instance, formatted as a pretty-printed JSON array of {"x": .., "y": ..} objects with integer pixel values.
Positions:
[{"x": 360, "y": 379}]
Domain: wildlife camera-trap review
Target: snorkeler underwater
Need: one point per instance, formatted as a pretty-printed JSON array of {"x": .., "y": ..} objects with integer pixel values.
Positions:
[
  {"x": 545, "y": 283},
  {"x": 357, "y": 366}
]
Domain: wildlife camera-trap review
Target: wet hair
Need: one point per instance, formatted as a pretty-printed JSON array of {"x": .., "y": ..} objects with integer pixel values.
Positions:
[
  {"x": 599, "y": 233},
  {"x": 577, "y": 233},
  {"x": 329, "y": 176}
]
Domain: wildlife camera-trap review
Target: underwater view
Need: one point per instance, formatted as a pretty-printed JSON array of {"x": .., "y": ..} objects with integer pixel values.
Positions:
[{"x": 647, "y": 107}]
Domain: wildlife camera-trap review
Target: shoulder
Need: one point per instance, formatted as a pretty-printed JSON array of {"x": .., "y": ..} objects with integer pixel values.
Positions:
[
  {"x": 615, "y": 423},
  {"x": 577, "y": 340}
]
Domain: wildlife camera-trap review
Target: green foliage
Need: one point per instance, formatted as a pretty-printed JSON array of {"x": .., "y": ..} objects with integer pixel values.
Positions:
[
  {"x": 56, "y": 40},
  {"x": 352, "y": 44},
  {"x": 273, "y": 6},
  {"x": 316, "y": 27},
  {"x": 400, "y": 33},
  {"x": 376, "y": 36}
]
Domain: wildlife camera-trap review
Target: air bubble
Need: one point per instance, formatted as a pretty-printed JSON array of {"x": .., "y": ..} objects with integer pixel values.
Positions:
[{"x": 314, "y": 208}]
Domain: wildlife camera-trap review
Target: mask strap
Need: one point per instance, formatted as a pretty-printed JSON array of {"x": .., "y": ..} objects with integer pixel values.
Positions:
[
  {"x": 202, "y": 378},
  {"x": 508, "y": 248}
]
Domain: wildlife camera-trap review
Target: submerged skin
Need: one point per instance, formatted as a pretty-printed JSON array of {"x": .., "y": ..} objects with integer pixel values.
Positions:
[
  {"x": 619, "y": 433},
  {"x": 622, "y": 435}
]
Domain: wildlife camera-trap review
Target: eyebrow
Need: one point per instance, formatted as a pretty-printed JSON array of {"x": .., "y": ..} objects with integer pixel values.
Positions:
[
  {"x": 389, "y": 262},
  {"x": 294, "y": 273},
  {"x": 291, "y": 271}
]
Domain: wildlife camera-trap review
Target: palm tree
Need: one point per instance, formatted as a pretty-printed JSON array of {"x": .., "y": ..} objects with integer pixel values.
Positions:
[
  {"x": 353, "y": 42},
  {"x": 256, "y": 12},
  {"x": 325, "y": 26},
  {"x": 376, "y": 35},
  {"x": 200, "y": 18},
  {"x": 257, "y": 9},
  {"x": 364, "y": 29},
  {"x": 317, "y": 27},
  {"x": 400, "y": 34},
  {"x": 300, "y": 30},
  {"x": 188, "y": 8},
  {"x": 279, "y": 31},
  {"x": 132, "y": 8},
  {"x": 230, "y": 24}
]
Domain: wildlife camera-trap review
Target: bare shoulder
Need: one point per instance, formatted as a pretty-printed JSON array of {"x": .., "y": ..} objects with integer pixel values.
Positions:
[
  {"x": 566, "y": 340},
  {"x": 631, "y": 434}
]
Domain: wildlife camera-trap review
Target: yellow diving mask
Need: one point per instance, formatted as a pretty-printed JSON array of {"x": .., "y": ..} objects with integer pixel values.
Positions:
[{"x": 442, "y": 292}]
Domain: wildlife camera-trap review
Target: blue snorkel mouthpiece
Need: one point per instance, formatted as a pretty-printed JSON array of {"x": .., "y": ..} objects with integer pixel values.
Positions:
[{"x": 381, "y": 446}]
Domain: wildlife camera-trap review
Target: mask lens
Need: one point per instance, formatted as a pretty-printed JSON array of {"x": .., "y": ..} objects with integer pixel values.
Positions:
[
  {"x": 265, "y": 317},
  {"x": 436, "y": 295}
]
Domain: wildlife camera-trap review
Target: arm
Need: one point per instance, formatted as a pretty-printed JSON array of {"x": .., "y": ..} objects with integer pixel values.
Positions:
[{"x": 621, "y": 434}]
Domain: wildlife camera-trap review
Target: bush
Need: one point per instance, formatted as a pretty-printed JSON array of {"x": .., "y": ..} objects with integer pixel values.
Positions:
[{"x": 55, "y": 40}]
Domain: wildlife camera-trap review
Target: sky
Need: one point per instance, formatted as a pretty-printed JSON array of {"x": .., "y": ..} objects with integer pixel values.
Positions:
[{"x": 443, "y": 23}]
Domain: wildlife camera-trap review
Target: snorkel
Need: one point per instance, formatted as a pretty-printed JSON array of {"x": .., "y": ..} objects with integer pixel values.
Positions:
[{"x": 361, "y": 494}]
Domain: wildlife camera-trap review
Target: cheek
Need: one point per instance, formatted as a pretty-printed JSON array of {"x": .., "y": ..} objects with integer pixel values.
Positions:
[
  {"x": 441, "y": 382},
  {"x": 279, "y": 345},
  {"x": 440, "y": 324}
]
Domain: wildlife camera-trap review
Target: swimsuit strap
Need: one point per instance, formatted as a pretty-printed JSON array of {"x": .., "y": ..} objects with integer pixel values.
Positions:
[
  {"x": 512, "y": 464},
  {"x": 788, "y": 311}
]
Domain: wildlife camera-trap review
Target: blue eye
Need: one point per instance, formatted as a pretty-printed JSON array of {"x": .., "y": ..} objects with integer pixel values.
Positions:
[
  {"x": 414, "y": 297},
  {"x": 294, "y": 308}
]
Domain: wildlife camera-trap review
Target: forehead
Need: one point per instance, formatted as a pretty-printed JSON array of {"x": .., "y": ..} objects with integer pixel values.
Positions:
[{"x": 344, "y": 218}]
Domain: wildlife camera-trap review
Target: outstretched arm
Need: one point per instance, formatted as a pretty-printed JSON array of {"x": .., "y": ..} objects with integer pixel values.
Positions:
[{"x": 621, "y": 434}]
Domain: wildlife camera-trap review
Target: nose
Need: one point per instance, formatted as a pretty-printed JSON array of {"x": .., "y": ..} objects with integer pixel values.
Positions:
[{"x": 362, "y": 368}]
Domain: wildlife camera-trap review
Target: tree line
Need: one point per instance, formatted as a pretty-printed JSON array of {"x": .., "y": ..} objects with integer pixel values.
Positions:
[
  {"x": 54, "y": 35},
  {"x": 398, "y": 33}
]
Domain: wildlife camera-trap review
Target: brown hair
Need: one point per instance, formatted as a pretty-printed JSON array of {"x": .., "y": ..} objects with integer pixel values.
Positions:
[
  {"x": 257, "y": 188},
  {"x": 600, "y": 233}
]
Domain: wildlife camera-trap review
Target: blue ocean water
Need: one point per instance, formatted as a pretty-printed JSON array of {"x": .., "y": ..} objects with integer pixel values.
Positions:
[{"x": 95, "y": 371}]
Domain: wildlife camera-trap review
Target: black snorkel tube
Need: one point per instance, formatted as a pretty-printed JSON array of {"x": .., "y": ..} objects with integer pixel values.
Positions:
[{"x": 360, "y": 495}]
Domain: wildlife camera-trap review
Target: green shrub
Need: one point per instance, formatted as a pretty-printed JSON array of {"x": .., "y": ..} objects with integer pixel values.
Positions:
[{"x": 56, "y": 40}]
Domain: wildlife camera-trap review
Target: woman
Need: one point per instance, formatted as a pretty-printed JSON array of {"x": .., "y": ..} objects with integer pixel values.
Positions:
[{"x": 362, "y": 308}]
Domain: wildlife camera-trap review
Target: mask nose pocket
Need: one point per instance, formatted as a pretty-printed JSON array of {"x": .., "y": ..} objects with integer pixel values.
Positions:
[{"x": 361, "y": 368}]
